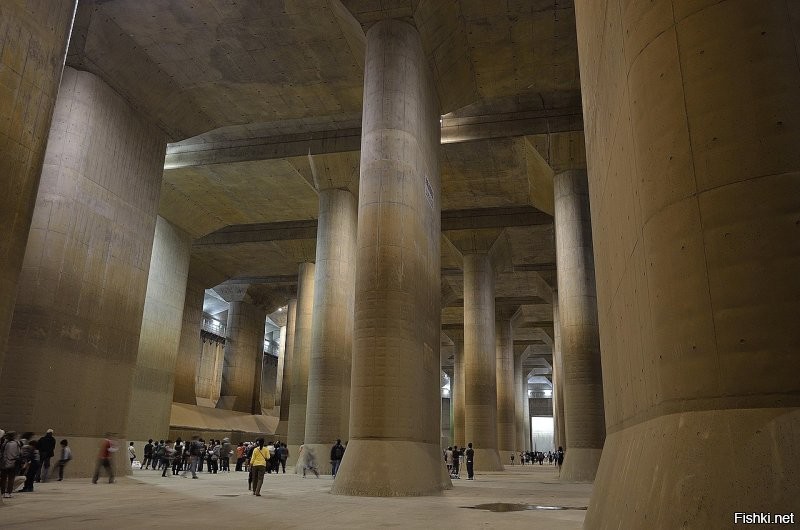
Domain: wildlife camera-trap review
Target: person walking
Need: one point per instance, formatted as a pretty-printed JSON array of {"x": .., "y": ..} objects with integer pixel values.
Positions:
[
  {"x": 168, "y": 454},
  {"x": 470, "y": 457},
  {"x": 66, "y": 456},
  {"x": 107, "y": 449},
  {"x": 47, "y": 448},
  {"x": 258, "y": 463},
  {"x": 337, "y": 453},
  {"x": 456, "y": 462},
  {"x": 239, "y": 456}
]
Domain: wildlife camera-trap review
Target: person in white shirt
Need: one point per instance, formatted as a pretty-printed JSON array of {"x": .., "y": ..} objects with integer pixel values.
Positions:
[
  {"x": 131, "y": 453},
  {"x": 66, "y": 456}
]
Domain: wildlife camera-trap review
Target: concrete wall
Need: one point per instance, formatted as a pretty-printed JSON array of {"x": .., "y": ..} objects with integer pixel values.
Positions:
[
  {"x": 82, "y": 289},
  {"x": 209, "y": 372},
  {"x": 269, "y": 380},
  {"x": 151, "y": 395},
  {"x": 692, "y": 131},
  {"x": 33, "y": 41}
]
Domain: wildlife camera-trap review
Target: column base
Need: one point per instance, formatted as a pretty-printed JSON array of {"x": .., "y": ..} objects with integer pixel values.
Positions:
[
  {"x": 322, "y": 457},
  {"x": 698, "y": 469},
  {"x": 488, "y": 460},
  {"x": 282, "y": 430},
  {"x": 391, "y": 468},
  {"x": 292, "y": 459},
  {"x": 580, "y": 465}
]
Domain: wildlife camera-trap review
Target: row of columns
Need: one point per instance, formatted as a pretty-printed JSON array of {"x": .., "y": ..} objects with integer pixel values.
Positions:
[{"x": 95, "y": 246}]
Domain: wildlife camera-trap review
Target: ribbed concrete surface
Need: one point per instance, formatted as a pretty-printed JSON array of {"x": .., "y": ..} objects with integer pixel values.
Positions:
[
  {"x": 580, "y": 342},
  {"x": 395, "y": 399},
  {"x": 244, "y": 347},
  {"x": 33, "y": 41},
  {"x": 288, "y": 363},
  {"x": 328, "y": 404},
  {"x": 301, "y": 352},
  {"x": 189, "y": 347},
  {"x": 506, "y": 390},
  {"x": 82, "y": 289},
  {"x": 480, "y": 412},
  {"x": 153, "y": 379},
  {"x": 692, "y": 132}
]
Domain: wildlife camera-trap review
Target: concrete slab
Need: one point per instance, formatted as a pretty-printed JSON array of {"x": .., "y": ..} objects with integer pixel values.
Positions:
[{"x": 289, "y": 501}]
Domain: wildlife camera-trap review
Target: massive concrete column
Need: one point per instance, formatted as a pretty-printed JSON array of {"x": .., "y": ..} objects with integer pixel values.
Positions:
[
  {"x": 244, "y": 349},
  {"x": 580, "y": 343},
  {"x": 696, "y": 210},
  {"x": 33, "y": 42},
  {"x": 480, "y": 408},
  {"x": 281, "y": 362},
  {"x": 328, "y": 404},
  {"x": 526, "y": 412},
  {"x": 296, "y": 426},
  {"x": 153, "y": 380},
  {"x": 269, "y": 379},
  {"x": 82, "y": 288},
  {"x": 519, "y": 405},
  {"x": 190, "y": 346},
  {"x": 208, "y": 382},
  {"x": 288, "y": 362},
  {"x": 395, "y": 399},
  {"x": 558, "y": 381},
  {"x": 506, "y": 389},
  {"x": 459, "y": 394}
]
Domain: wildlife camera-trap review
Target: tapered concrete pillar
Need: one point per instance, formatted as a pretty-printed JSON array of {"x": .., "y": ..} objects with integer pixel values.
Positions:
[
  {"x": 288, "y": 361},
  {"x": 296, "y": 429},
  {"x": 459, "y": 394},
  {"x": 281, "y": 361},
  {"x": 33, "y": 40},
  {"x": 692, "y": 145},
  {"x": 78, "y": 314},
  {"x": 580, "y": 343},
  {"x": 559, "y": 421},
  {"x": 328, "y": 404},
  {"x": 506, "y": 390},
  {"x": 480, "y": 412},
  {"x": 526, "y": 412},
  {"x": 244, "y": 349},
  {"x": 269, "y": 379},
  {"x": 153, "y": 380},
  {"x": 395, "y": 399},
  {"x": 519, "y": 405},
  {"x": 190, "y": 346}
]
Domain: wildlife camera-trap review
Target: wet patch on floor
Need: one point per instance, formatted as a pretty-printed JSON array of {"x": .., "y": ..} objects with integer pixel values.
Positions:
[{"x": 499, "y": 507}]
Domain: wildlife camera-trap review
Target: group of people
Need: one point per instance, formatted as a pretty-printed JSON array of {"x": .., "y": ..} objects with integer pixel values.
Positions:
[
  {"x": 555, "y": 458},
  {"x": 453, "y": 457},
  {"x": 29, "y": 457},
  {"x": 190, "y": 456}
]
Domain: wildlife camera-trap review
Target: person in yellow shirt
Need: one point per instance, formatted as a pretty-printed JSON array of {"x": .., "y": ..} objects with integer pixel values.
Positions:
[{"x": 258, "y": 463}]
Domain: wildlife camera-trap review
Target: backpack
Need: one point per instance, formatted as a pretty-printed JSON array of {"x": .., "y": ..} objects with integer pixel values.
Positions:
[{"x": 338, "y": 451}]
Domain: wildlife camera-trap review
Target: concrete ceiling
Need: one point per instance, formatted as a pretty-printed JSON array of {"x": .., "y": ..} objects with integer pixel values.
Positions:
[{"x": 263, "y": 99}]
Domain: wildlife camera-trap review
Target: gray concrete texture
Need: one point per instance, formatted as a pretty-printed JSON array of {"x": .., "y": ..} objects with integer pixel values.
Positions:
[
  {"x": 269, "y": 382},
  {"x": 395, "y": 396},
  {"x": 190, "y": 346},
  {"x": 506, "y": 390},
  {"x": 153, "y": 379},
  {"x": 244, "y": 349},
  {"x": 580, "y": 342},
  {"x": 559, "y": 413},
  {"x": 459, "y": 394},
  {"x": 301, "y": 354},
  {"x": 33, "y": 42},
  {"x": 520, "y": 394},
  {"x": 77, "y": 322},
  {"x": 208, "y": 382},
  {"x": 288, "y": 363},
  {"x": 328, "y": 404},
  {"x": 480, "y": 403},
  {"x": 692, "y": 119}
]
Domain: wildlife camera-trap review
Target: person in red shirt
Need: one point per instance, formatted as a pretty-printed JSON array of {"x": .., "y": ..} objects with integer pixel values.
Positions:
[{"x": 107, "y": 449}]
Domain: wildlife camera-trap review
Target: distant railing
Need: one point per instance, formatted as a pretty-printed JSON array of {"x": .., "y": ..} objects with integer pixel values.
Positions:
[
  {"x": 271, "y": 347},
  {"x": 213, "y": 326}
]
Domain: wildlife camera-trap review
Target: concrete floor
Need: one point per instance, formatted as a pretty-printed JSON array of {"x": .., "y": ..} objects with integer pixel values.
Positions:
[{"x": 288, "y": 501}]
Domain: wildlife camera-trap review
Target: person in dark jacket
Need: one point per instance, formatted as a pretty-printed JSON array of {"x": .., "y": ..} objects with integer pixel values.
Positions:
[
  {"x": 47, "y": 449},
  {"x": 32, "y": 460},
  {"x": 337, "y": 453},
  {"x": 469, "y": 455}
]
